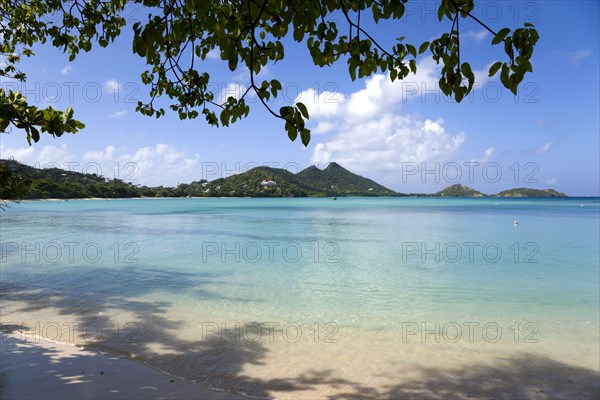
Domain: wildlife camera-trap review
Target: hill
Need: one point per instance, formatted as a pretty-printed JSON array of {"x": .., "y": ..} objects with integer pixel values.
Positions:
[
  {"x": 56, "y": 183},
  {"x": 524, "y": 192},
  {"x": 274, "y": 182},
  {"x": 21, "y": 181},
  {"x": 459, "y": 190},
  {"x": 335, "y": 180},
  {"x": 258, "y": 182}
]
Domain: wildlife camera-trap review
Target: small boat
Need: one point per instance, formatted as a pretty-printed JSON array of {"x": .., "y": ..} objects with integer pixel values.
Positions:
[{"x": 334, "y": 198}]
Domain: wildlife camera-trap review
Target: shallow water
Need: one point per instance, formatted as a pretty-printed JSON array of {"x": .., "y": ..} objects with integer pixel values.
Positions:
[{"x": 312, "y": 297}]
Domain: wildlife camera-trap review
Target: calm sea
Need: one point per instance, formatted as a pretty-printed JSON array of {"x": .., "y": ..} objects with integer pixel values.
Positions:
[{"x": 308, "y": 297}]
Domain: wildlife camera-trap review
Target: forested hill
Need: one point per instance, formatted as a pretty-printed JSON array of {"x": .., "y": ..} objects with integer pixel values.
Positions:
[
  {"x": 337, "y": 180},
  {"x": 21, "y": 181},
  {"x": 257, "y": 182},
  {"x": 273, "y": 182},
  {"x": 524, "y": 192},
  {"x": 56, "y": 183}
]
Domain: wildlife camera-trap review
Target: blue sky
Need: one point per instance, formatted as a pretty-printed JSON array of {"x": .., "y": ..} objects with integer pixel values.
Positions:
[{"x": 405, "y": 135}]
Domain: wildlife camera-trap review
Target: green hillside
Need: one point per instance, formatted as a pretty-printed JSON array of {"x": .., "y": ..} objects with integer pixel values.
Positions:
[
  {"x": 459, "y": 190},
  {"x": 258, "y": 182},
  {"x": 338, "y": 181},
  {"x": 57, "y": 183},
  {"x": 524, "y": 192},
  {"x": 250, "y": 184},
  {"x": 21, "y": 181}
]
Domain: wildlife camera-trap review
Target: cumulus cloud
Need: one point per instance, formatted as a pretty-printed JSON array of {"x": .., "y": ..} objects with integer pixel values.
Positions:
[
  {"x": 160, "y": 164},
  {"x": 24, "y": 154},
  {"x": 163, "y": 164},
  {"x": 102, "y": 155},
  {"x": 48, "y": 155},
  {"x": 322, "y": 127},
  {"x": 367, "y": 130},
  {"x": 385, "y": 143}
]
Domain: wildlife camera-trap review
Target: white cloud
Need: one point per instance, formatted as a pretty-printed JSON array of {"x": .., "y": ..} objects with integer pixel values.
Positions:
[
  {"x": 66, "y": 70},
  {"x": 19, "y": 154},
  {"x": 489, "y": 152},
  {"x": 322, "y": 127},
  {"x": 162, "y": 164},
  {"x": 324, "y": 104},
  {"x": 380, "y": 95},
  {"x": 369, "y": 133},
  {"x": 48, "y": 154},
  {"x": 103, "y": 155},
  {"x": 112, "y": 85},
  {"x": 544, "y": 149},
  {"x": 476, "y": 36},
  {"x": 551, "y": 181},
  {"x": 54, "y": 154},
  {"x": 386, "y": 142},
  {"x": 119, "y": 114}
]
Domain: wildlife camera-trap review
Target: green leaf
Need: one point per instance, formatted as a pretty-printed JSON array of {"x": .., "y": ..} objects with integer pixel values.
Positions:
[
  {"x": 494, "y": 68},
  {"x": 500, "y": 36},
  {"x": 292, "y": 131},
  {"x": 423, "y": 47},
  {"x": 224, "y": 117},
  {"x": 305, "y": 137},
  {"x": 302, "y": 109},
  {"x": 441, "y": 12},
  {"x": 275, "y": 84}
]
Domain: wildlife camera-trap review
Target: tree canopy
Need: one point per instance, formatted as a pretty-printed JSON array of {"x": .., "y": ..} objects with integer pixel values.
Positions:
[{"x": 247, "y": 34}]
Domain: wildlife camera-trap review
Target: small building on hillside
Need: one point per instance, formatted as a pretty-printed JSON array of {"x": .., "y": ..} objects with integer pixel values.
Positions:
[{"x": 268, "y": 183}]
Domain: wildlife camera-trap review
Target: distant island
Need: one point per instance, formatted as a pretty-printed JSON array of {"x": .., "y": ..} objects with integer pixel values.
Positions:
[
  {"x": 21, "y": 181},
  {"x": 458, "y": 190}
]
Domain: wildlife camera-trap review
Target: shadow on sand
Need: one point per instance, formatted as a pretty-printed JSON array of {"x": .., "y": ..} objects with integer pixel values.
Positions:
[{"x": 221, "y": 363}]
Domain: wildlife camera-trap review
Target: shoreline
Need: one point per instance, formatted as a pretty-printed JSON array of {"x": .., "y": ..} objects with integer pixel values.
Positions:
[
  {"x": 488, "y": 197},
  {"x": 67, "y": 371}
]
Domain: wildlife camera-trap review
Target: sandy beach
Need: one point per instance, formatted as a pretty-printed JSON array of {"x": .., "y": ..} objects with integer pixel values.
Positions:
[{"x": 47, "y": 370}]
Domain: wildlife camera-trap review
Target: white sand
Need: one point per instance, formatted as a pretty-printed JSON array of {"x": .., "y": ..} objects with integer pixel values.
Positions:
[{"x": 47, "y": 370}]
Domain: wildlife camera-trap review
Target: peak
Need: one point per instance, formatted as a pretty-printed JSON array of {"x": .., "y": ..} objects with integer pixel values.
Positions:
[{"x": 334, "y": 165}]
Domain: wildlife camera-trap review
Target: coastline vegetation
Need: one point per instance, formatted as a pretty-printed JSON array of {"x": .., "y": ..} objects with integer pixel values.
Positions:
[{"x": 19, "y": 181}]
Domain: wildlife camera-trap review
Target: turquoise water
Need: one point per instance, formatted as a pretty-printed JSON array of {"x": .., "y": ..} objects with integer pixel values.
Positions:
[{"x": 365, "y": 265}]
